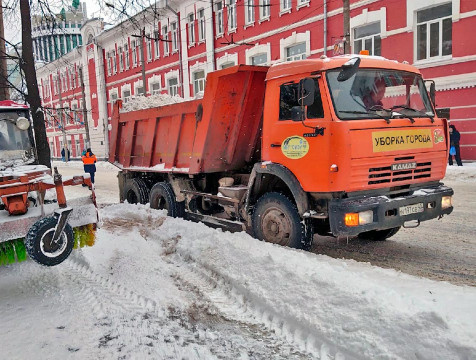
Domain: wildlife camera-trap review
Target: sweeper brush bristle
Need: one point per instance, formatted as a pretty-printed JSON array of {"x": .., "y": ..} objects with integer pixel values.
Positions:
[
  {"x": 84, "y": 236},
  {"x": 12, "y": 251}
]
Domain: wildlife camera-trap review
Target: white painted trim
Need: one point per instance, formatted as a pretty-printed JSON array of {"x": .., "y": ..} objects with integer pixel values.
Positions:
[
  {"x": 369, "y": 17},
  {"x": 227, "y": 58},
  {"x": 125, "y": 87},
  {"x": 467, "y": 14},
  {"x": 154, "y": 79},
  {"x": 258, "y": 49},
  {"x": 197, "y": 67},
  {"x": 444, "y": 61},
  {"x": 469, "y": 119},
  {"x": 295, "y": 38},
  {"x": 413, "y": 6},
  {"x": 463, "y": 107},
  {"x": 461, "y": 81},
  {"x": 298, "y": 24},
  {"x": 139, "y": 74}
]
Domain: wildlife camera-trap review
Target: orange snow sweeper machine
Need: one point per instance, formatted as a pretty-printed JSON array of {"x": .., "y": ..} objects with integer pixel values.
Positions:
[{"x": 33, "y": 220}]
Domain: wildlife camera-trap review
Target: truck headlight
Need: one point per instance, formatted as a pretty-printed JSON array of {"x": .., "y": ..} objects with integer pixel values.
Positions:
[
  {"x": 366, "y": 217},
  {"x": 446, "y": 202},
  {"x": 361, "y": 218}
]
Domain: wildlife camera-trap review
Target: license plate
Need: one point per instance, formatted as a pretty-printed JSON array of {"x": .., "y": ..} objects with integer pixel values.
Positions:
[{"x": 411, "y": 209}]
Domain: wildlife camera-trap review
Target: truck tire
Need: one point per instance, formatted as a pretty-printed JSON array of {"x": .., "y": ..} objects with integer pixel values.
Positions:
[
  {"x": 136, "y": 191},
  {"x": 276, "y": 220},
  {"x": 162, "y": 197},
  {"x": 39, "y": 246},
  {"x": 379, "y": 235}
]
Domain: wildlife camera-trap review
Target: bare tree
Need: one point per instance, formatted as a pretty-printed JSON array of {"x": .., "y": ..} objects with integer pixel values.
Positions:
[{"x": 27, "y": 65}]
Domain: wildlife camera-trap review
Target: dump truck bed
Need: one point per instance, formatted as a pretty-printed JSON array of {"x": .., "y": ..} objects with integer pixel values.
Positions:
[{"x": 217, "y": 133}]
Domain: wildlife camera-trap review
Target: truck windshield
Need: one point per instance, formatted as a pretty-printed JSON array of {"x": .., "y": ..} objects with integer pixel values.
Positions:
[
  {"x": 14, "y": 143},
  {"x": 369, "y": 93}
]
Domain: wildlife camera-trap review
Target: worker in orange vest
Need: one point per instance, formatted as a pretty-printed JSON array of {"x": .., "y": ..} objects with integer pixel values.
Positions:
[{"x": 89, "y": 161}]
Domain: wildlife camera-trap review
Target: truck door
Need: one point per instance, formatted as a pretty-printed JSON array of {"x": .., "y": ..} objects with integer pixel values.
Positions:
[{"x": 299, "y": 145}]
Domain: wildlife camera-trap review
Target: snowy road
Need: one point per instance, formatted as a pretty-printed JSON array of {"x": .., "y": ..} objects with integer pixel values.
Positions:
[
  {"x": 440, "y": 249},
  {"x": 154, "y": 287}
]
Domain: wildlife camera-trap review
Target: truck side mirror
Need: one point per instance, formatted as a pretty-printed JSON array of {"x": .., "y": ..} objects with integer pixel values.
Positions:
[
  {"x": 297, "y": 113},
  {"x": 349, "y": 69},
  {"x": 306, "y": 92},
  {"x": 433, "y": 93}
]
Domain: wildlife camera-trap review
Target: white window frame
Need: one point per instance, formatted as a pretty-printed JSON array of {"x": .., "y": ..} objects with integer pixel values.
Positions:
[
  {"x": 114, "y": 62},
  {"x": 173, "y": 29},
  {"x": 295, "y": 39},
  {"x": 302, "y": 3},
  {"x": 260, "y": 54},
  {"x": 231, "y": 16},
  {"x": 126, "y": 88},
  {"x": 227, "y": 59},
  {"x": 171, "y": 75},
  {"x": 191, "y": 29},
  {"x": 201, "y": 24},
  {"x": 153, "y": 80},
  {"x": 249, "y": 12},
  {"x": 264, "y": 9},
  {"x": 149, "y": 47},
  {"x": 156, "y": 44},
  {"x": 199, "y": 83},
  {"x": 428, "y": 24},
  {"x": 134, "y": 52},
  {"x": 363, "y": 39},
  {"x": 286, "y": 6},
  {"x": 219, "y": 27},
  {"x": 165, "y": 37},
  {"x": 139, "y": 85},
  {"x": 121, "y": 58},
  {"x": 127, "y": 59},
  {"x": 172, "y": 89}
]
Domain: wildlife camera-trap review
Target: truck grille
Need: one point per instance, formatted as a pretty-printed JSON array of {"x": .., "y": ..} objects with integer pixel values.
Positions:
[{"x": 384, "y": 174}]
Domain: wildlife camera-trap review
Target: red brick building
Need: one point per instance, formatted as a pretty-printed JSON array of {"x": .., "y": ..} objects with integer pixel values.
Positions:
[{"x": 188, "y": 39}]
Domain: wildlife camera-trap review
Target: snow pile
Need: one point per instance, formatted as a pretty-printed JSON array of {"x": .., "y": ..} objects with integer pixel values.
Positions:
[
  {"x": 347, "y": 307},
  {"x": 79, "y": 165},
  {"x": 467, "y": 172},
  {"x": 146, "y": 102}
]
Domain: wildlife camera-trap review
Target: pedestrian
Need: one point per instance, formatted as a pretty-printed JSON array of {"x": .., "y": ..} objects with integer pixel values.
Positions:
[
  {"x": 89, "y": 163},
  {"x": 68, "y": 155},
  {"x": 454, "y": 146},
  {"x": 63, "y": 154}
]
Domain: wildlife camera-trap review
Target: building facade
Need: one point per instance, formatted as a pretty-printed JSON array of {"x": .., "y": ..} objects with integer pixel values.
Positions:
[
  {"x": 182, "y": 41},
  {"x": 56, "y": 35}
]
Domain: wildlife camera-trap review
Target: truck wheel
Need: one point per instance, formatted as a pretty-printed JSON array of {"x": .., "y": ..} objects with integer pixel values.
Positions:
[
  {"x": 379, "y": 235},
  {"x": 39, "y": 246},
  {"x": 276, "y": 220},
  {"x": 162, "y": 197},
  {"x": 136, "y": 191}
]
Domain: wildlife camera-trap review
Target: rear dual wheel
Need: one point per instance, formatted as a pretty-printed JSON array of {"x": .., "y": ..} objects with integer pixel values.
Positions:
[
  {"x": 136, "y": 191},
  {"x": 162, "y": 197},
  {"x": 276, "y": 220}
]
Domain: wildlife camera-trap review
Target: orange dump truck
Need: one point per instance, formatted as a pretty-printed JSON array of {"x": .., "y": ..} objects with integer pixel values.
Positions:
[{"x": 345, "y": 146}]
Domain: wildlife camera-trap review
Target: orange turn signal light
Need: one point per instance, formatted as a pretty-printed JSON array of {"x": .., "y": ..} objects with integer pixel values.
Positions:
[
  {"x": 364, "y": 52},
  {"x": 351, "y": 219}
]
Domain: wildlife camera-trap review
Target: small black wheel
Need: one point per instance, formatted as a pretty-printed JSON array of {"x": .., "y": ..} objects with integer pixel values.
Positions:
[
  {"x": 39, "y": 245},
  {"x": 136, "y": 191},
  {"x": 379, "y": 235},
  {"x": 162, "y": 197},
  {"x": 276, "y": 220}
]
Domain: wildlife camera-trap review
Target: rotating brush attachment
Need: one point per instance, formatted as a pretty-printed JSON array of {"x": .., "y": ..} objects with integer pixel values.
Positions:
[
  {"x": 12, "y": 251},
  {"x": 84, "y": 236}
]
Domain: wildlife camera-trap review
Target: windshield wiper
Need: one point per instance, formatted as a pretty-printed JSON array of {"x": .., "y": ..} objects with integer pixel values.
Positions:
[
  {"x": 412, "y": 109},
  {"x": 386, "y": 118}
]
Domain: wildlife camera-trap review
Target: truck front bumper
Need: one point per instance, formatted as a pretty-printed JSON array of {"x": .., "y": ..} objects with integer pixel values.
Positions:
[{"x": 388, "y": 212}]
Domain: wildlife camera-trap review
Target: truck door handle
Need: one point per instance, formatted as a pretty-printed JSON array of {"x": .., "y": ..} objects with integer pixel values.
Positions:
[{"x": 275, "y": 145}]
